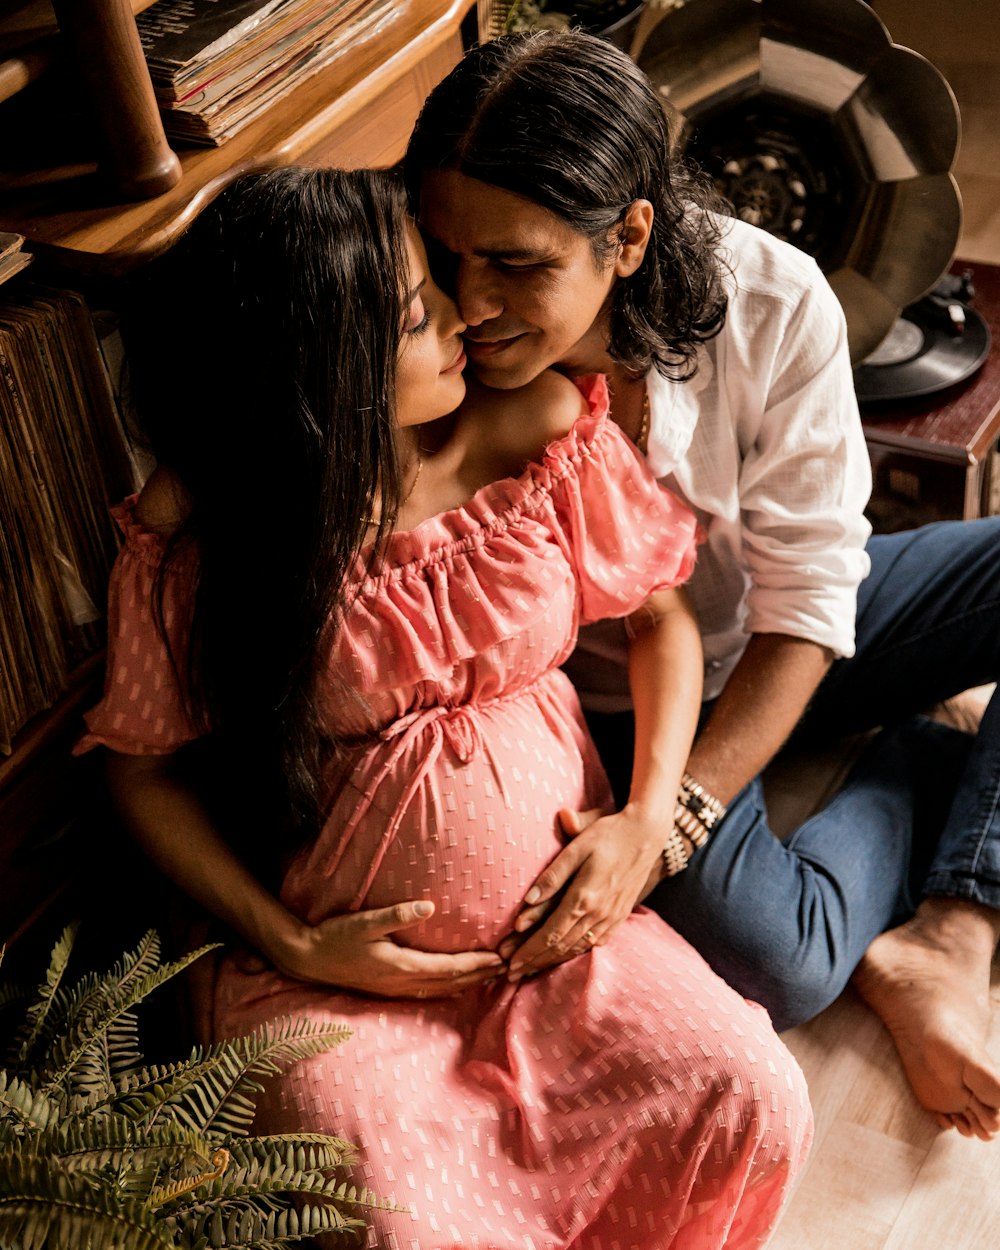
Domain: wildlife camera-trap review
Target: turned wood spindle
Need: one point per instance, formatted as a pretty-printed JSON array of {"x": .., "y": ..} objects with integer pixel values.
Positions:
[{"x": 104, "y": 44}]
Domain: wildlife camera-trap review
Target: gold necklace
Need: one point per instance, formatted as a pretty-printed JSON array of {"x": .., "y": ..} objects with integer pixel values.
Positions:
[
  {"x": 416, "y": 479},
  {"x": 643, "y": 438},
  {"x": 413, "y": 486}
]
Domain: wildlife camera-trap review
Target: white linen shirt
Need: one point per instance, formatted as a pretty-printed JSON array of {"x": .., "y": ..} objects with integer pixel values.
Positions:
[{"x": 765, "y": 444}]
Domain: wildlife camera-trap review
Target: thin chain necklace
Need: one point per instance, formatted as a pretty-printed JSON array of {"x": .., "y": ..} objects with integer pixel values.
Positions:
[
  {"x": 413, "y": 486},
  {"x": 643, "y": 438}
]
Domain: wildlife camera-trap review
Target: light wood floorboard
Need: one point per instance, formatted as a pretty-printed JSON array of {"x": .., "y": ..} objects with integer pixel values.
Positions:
[{"x": 881, "y": 1175}]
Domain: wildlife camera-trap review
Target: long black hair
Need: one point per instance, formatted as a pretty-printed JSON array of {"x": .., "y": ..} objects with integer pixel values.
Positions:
[
  {"x": 568, "y": 121},
  {"x": 262, "y": 354}
]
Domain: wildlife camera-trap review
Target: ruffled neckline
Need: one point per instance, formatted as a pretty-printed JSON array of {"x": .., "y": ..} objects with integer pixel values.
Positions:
[
  {"x": 495, "y": 505},
  {"x": 492, "y": 507}
]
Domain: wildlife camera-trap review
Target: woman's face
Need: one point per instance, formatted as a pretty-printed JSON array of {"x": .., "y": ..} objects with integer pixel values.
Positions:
[{"x": 429, "y": 382}]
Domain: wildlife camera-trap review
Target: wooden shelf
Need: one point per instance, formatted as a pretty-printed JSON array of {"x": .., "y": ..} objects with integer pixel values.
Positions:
[
  {"x": 359, "y": 110},
  {"x": 84, "y": 689}
]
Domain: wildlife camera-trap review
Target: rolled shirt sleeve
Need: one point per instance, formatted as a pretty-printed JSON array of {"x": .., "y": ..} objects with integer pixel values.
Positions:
[{"x": 805, "y": 481}]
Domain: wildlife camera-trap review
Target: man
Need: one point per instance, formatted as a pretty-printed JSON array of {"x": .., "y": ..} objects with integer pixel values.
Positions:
[{"x": 541, "y": 173}]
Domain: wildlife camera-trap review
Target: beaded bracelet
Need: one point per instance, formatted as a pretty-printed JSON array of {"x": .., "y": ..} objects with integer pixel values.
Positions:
[
  {"x": 696, "y": 814},
  {"x": 675, "y": 854}
]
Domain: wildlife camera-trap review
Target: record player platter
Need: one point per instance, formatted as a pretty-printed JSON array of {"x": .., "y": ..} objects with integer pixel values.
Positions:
[{"x": 933, "y": 345}]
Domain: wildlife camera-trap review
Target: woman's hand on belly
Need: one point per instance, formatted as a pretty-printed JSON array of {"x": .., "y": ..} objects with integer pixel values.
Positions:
[
  {"x": 356, "y": 951},
  {"x": 601, "y": 875}
]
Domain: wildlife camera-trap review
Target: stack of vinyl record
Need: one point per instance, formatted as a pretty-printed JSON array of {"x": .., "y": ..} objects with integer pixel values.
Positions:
[
  {"x": 63, "y": 462},
  {"x": 216, "y": 65}
]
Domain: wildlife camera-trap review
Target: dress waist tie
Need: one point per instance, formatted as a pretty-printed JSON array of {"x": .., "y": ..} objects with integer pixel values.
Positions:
[{"x": 455, "y": 725}]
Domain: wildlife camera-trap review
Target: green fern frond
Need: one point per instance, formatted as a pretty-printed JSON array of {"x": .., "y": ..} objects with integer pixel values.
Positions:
[
  {"x": 22, "y": 1108},
  {"x": 346, "y": 1192},
  {"x": 84, "y": 1035},
  {"x": 69, "y": 1003},
  {"x": 35, "y": 1016},
  {"x": 123, "y": 1052},
  {"x": 112, "y": 1055},
  {"x": 188, "y": 1184},
  {"x": 237, "y": 1188},
  {"x": 92, "y": 994},
  {"x": 90, "y": 1144},
  {"x": 213, "y": 1090},
  {"x": 314, "y": 1152},
  {"x": 249, "y": 1228},
  {"x": 137, "y": 964},
  {"x": 115, "y": 1051},
  {"x": 91, "y": 1072},
  {"x": 42, "y": 1207},
  {"x": 97, "y": 1153}
]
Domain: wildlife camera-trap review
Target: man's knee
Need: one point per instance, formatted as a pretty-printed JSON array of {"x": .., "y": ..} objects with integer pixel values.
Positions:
[
  {"x": 946, "y": 568},
  {"x": 791, "y": 995}
]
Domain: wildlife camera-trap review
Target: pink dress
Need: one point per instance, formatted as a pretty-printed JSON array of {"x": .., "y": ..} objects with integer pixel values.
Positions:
[{"x": 628, "y": 1097}]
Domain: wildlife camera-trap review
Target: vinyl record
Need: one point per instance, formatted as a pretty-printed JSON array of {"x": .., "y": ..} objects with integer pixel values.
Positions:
[{"x": 922, "y": 354}]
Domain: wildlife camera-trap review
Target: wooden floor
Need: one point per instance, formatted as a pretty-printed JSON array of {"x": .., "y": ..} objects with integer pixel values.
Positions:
[{"x": 881, "y": 1175}]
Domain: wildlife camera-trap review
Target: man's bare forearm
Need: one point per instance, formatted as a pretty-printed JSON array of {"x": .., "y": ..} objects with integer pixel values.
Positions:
[{"x": 761, "y": 704}]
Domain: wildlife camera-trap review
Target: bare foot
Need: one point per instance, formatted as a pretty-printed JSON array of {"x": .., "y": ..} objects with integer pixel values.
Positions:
[{"x": 929, "y": 982}]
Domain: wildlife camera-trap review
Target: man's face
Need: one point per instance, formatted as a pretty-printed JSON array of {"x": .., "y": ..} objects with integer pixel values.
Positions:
[{"x": 527, "y": 284}]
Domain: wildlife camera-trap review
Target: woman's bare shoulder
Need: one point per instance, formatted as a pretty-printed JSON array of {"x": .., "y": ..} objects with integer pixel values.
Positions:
[
  {"x": 521, "y": 423},
  {"x": 163, "y": 504}
]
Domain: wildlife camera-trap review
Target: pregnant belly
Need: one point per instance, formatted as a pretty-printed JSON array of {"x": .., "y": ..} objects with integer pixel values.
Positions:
[
  {"x": 476, "y": 867},
  {"x": 469, "y": 829}
]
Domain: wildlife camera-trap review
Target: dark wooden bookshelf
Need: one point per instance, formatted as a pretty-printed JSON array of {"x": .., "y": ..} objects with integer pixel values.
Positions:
[
  {"x": 42, "y": 789},
  {"x": 63, "y": 717}
]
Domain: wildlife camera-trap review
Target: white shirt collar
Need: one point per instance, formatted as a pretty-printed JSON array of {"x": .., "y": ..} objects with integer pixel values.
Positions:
[{"x": 673, "y": 414}]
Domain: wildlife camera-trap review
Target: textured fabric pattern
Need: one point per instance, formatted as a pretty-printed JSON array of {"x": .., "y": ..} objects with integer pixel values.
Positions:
[{"x": 626, "y": 1098}]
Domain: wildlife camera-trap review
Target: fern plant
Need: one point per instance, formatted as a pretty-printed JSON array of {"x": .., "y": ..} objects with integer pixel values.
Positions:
[{"x": 99, "y": 1151}]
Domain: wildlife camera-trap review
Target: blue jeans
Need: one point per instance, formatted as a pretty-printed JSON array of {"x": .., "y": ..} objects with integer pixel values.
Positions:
[{"x": 786, "y": 922}]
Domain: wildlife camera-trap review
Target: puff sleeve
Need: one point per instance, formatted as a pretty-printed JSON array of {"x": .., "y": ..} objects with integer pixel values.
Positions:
[{"x": 143, "y": 708}]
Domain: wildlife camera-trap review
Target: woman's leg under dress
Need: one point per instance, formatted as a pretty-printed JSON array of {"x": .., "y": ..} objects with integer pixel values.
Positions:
[{"x": 627, "y": 1098}]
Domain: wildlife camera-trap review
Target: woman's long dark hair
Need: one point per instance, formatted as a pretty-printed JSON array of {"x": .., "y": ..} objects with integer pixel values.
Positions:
[
  {"x": 262, "y": 355},
  {"x": 568, "y": 121}
]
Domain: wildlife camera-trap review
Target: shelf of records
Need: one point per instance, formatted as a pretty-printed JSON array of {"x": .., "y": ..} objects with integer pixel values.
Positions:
[
  {"x": 215, "y": 68},
  {"x": 347, "y": 97},
  {"x": 65, "y": 459}
]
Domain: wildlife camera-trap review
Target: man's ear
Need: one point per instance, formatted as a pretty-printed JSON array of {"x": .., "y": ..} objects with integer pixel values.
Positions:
[{"x": 633, "y": 237}]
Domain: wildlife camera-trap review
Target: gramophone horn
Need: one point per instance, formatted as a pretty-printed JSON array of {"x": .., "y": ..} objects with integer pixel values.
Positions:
[{"x": 820, "y": 129}]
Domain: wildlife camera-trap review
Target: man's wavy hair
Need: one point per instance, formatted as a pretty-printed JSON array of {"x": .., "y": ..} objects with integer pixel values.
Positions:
[{"x": 570, "y": 122}]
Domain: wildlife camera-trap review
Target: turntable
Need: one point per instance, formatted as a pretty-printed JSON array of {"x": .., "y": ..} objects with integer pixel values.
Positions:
[
  {"x": 934, "y": 343},
  {"x": 818, "y": 128},
  {"x": 934, "y": 454}
]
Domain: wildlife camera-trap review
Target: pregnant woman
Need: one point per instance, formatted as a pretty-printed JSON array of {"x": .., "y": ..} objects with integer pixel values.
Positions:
[{"x": 348, "y": 589}]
